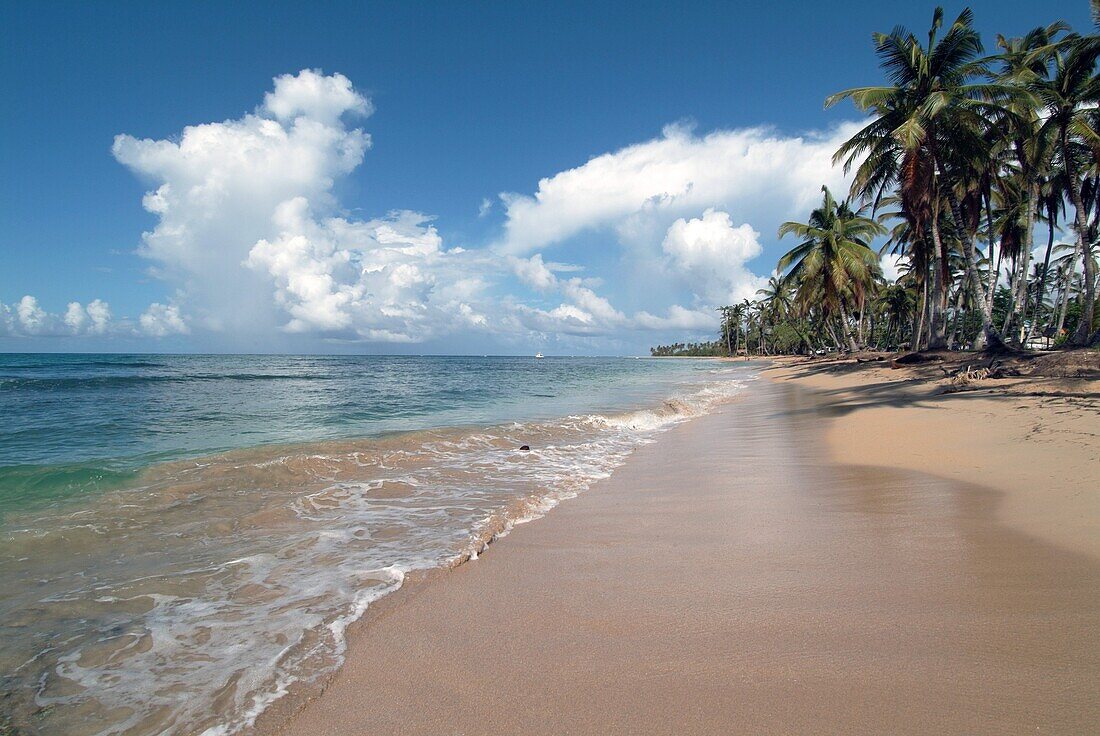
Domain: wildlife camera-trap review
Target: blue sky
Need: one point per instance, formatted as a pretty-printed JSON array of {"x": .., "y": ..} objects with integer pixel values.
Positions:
[{"x": 668, "y": 141}]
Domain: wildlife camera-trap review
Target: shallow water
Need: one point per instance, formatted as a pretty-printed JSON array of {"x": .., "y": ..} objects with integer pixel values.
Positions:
[{"x": 184, "y": 537}]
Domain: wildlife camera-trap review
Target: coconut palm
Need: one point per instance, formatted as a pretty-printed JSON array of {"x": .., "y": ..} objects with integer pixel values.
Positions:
[
  {"x": 1068, "y": 98},
  {"x": 1051, "y": 206},
  {"x": 834, "y": 262},
  {"x": 728, "y": 327},
  {"x": 1030, "y": 147},
  {"x": 931, "y": 114}
]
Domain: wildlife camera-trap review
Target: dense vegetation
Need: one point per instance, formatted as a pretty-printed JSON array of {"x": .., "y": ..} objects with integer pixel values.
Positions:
[
  {"x": 694, "y": 349},
  {"x": 964, "y": 157}
]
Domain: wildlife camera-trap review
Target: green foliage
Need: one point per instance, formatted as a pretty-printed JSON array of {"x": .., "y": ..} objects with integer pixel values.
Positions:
[{"x": 690, "y": 349}]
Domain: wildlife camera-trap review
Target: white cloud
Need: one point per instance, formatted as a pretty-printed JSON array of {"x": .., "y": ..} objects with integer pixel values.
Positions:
[
  {"x": 891, "y": 266},
  {"x": 161, "y": 320},
  {"x": 312, "y": 95},
  {"x": 218, "y": 186},
  {"x": 377, "y": 279},
  {"x": 748, "y": 171},
  {"x": 76, "y": 317},
  {"x": 95, "y": 319},
  {"x": 678, "y": 318},
  {"x": 33, "y": 320},
  {"x": 533, "y": 272},
  {"x": 251, "y": 238},
  {"x": 27, "y": 318},
  {"x": 711, "y": 253},
  {"x": 99, "y": 316}
]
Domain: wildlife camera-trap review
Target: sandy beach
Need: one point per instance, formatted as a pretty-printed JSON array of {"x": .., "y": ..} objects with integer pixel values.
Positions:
[{"x": 828, "y": 554}]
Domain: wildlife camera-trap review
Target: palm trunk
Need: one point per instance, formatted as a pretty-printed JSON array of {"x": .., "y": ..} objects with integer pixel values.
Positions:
[
  {"x": 994, "y": 269},
  {"x": 1042, "y": 278},
  {"x": 987, "y": 336},
  {"x": 1023, "y": 265},
  {"x": 937, "y": 327},
  {"x": 1083, "y": 334},
  {"x": 846, "y": 325},
  {"x": 862, "y": 303},
  {"x": 1011, "y": 294},
  {"x": 918, "y": 321},
  {"x": 957, "y": 322},
  {"x": 1067, "y": 289}
]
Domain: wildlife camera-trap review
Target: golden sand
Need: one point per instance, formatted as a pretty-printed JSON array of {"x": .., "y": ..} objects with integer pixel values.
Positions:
[{"x": 737, "y": 577}]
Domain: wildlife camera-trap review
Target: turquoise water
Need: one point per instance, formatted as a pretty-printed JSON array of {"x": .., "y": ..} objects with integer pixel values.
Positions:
[
  {"x": 184, "y": 538},
  {"x": 81, "y": 423}
]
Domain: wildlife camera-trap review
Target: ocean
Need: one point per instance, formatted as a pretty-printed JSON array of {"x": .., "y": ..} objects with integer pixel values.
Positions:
[{"x": 184, "y": 538}]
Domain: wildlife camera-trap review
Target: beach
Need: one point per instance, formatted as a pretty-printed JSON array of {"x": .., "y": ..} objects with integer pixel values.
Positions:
[{"x": 834, "y": 551}]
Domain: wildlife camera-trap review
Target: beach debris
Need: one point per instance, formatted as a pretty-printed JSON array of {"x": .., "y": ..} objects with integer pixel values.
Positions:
[
  {"x": 915, "y": 358},
  {"x": 963, "y": 378},
  {"x": 970, "y": 375}
]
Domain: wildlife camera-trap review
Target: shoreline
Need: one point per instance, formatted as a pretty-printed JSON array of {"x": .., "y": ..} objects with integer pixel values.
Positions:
[{"x": 643, "y": 597}]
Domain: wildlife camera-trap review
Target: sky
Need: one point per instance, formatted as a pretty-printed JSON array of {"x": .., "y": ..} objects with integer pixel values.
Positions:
[{"x": 571, "y": 178}]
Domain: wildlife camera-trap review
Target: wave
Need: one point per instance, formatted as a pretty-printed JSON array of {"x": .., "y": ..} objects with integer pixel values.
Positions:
[
  {"x": 242, "y": 571},
  {"x": 22, "y": 486},
  {"x": 124, "y": 363},
  {"x": 19, "y": 382}
]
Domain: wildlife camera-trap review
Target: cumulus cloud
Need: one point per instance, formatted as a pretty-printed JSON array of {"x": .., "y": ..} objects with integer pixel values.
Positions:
[
  {"x": 161, "y": 320},
  {"x": 385, "y": 279},
  {"x": 681, "y": 213},
  {"x": 33, "y": 320},
  {"x": 891, "y": 266},
  {"x": 679, "y": 318},
  {"x": 251, "y": 238},
  {"x": 533, "y": 272},
  {"x": 753, "y": 170},
  {"x": 27, "y": 318},
  {"x": 711, "y": 253},
  {"x": 219, "y": 185},
  {"x": 316, "y": 97},
  {"x": 95, "y": 319}
]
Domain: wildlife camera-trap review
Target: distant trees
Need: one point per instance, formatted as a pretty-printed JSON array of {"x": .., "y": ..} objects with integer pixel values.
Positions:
[{"x": 695, "y": 349}]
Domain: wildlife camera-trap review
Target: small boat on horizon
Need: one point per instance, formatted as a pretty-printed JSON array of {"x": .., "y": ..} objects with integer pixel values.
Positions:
[{"x": 538, "y": 355}]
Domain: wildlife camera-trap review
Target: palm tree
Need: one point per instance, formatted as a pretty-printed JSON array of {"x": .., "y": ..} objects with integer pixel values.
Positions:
[
  {"x": 1068, "y": 98},
  {"x": 735, "y": 315},
  {"x": 775, "y": 297},
  {"x": 778, "y": 307},
  {"x": 1031, "y": 147},
  {"x": 728, "y": 327},
  {"x": 899, "y": 304},
  {"x": 834, "y": 262},
  {"x": 1051, "y": 205},
  {"x": 930, "y": 115}
]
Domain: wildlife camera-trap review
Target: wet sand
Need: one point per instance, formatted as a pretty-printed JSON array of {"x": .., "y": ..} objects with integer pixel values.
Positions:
[{"x": 731, "y": 578}]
